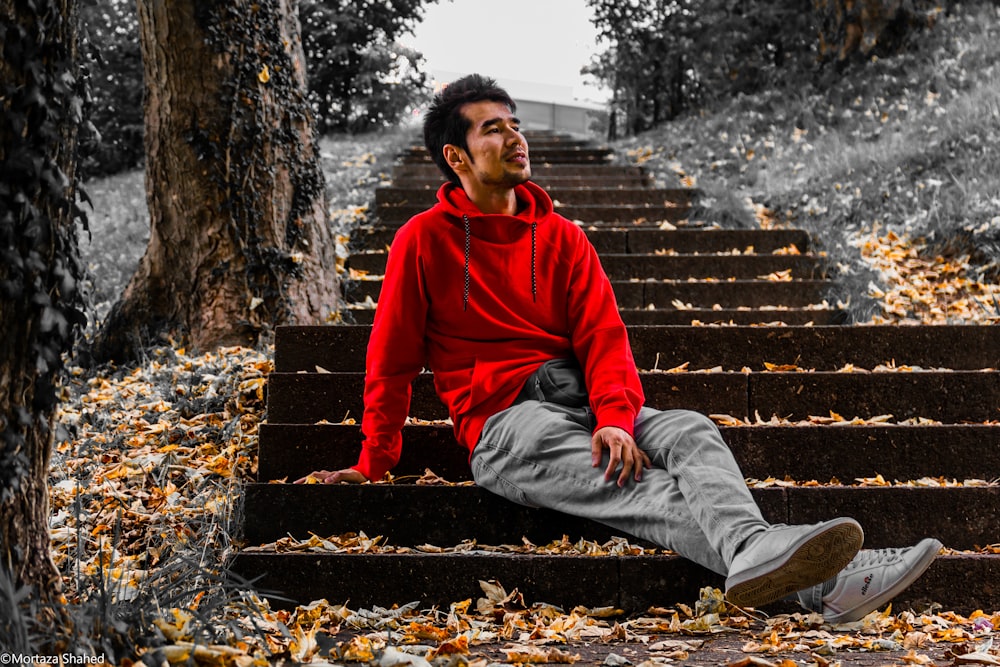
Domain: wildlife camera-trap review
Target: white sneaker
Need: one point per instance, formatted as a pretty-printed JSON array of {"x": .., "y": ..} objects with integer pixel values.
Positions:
[
  {"x": 874, "y": 577},
  {"x": 781, "y": 560}
]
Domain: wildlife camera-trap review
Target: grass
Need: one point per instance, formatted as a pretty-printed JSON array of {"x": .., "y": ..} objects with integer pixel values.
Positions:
[
  {"x": 118, "y": 234},
  {"x": 119, "y": 219},
  {"x": 907, "y": 144}
]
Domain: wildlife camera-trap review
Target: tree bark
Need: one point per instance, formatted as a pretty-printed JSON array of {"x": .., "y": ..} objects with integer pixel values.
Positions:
[
  {"x": 40, "y": 111},
  {"x": 857, "y": 28},
  {"x": 239, "y": 236}
]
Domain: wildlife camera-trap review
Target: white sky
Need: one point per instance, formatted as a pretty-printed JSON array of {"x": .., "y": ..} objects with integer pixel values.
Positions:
[{"x": 535, "y": 41}]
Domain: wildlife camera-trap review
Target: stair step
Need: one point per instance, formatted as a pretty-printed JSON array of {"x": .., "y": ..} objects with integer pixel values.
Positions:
[
  {"x": 958, "y": 347},
  {"x": 307, "y": 398},
  {"x": 412, "y": 515},
  {"x": 386, "y": 197},
  {"x": 803, "y": 453},
  {"x": 587, "y": 213},
  {"x": 621, "y": 212},
  {"x": 365, "y": 315},
  {"x": 433, "y": 180},
  {"x": 535, "y": 142},
  {"x": 543, "y": 155},
  {"x": 692, "y": 241},
  {"x": 631, "y": 583},
  {"x": 720, "y": 316},
  {"x": 677, "y": 267},
  {"x": 946, "y": 396},
  {"x": 661, "y": 294},
  {"x": 645, "y": 240},
  {"x": 590, "y": 171}
]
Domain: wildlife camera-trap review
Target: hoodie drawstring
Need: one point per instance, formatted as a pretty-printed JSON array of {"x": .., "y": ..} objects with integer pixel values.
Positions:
[
  {"x": 534, "y": 227},
  {"x": 468, "y": 242},
  {"x": 468, "y": 245}
]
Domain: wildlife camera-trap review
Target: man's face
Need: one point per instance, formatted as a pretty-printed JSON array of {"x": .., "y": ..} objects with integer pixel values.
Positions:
[{"x": 497, "y": 150}]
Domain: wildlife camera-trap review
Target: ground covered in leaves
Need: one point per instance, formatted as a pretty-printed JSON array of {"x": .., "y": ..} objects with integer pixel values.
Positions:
[
  {"x": 146, "y": 480},
  {"x": 145, "y": 493}
]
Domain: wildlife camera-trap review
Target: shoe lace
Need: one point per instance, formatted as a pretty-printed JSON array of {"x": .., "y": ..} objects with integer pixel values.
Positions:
[{"x": 873, "y": 557}]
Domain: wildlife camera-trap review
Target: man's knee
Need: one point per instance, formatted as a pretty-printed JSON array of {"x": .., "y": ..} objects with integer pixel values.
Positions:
[{"x": 671, "y": 425}]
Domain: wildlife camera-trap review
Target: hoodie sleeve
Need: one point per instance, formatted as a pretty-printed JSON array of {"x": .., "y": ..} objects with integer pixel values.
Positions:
[
  {"x": 396, "y": 355},
  {"x": 600, "y": 342}
]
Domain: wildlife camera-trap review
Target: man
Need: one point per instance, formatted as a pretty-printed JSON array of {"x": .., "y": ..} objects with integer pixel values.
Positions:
[{"x": 507, "y": 303}]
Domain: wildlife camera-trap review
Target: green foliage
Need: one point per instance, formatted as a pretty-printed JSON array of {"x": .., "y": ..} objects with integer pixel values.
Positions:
[
  {"x": 119, "y": 227},
  {"x": 15, "y": 621},
  {"x": 859, "y": 28},
  {"x": 41, "y": 107},
  {"x": 110, "y": 40},
  {"x": 668, "y": 57},
  {"x": 360, "y": 78},
  {"x": 907, "y": 143}
]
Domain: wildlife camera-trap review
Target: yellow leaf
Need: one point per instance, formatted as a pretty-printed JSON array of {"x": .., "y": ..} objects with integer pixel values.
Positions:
[
  {"x": 780, "y": 368},
  {"x": 265, "y": 75},
  {"x": 427, "y": 631},
  {"x": 457, "y": 646},
  {"x": 913, "y": 658},
  {"x": 726, "y": 420},
  {"x": 358, "y": 649},
  {"x": 534, "y": 655}
]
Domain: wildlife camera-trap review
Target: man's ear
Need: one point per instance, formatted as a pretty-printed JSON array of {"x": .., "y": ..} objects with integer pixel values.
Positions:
[{"x": 455, "y": 157}]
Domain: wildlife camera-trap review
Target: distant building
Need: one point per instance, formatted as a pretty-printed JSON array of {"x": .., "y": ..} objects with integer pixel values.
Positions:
[{"x": 542, "y": 106}]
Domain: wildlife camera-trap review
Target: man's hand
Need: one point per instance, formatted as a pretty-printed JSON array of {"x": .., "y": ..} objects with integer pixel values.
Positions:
[
  {"x": 348, "y": 475},
  {"x": 624, "y": 451}
]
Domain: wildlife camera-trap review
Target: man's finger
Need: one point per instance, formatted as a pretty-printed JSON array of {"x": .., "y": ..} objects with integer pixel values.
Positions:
[
  {"x": 615, "y": 450},
  {"x": 317, "y": 475},
  {"x": 632, "y": 466},
  {"x": 596, "y": 450},
  {"x": 647, "y": 462}
]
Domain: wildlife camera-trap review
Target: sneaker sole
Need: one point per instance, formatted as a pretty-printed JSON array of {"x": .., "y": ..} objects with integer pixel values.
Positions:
[
  {"x": 930, "y": 547},
  {"x": 817, "y": 557}
]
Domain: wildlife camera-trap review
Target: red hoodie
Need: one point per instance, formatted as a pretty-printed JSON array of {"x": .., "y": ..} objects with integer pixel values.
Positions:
[{"x": 483, "y": 301}]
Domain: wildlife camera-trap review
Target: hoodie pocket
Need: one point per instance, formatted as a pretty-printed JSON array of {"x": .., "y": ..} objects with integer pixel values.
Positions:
[{"x": 561, "y": 381}]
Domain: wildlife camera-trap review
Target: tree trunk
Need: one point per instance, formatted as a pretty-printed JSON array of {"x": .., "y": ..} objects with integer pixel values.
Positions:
[
  {"x": 40, "y": 111},
  {"x": 858, "y": 28},
  {"x": 239, "y": 236}
]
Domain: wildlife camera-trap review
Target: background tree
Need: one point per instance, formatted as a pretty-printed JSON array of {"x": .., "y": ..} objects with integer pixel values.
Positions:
[
  {"x": 859, "y": 28},
  {"x": 360, "y": 77},
  {"x": 644, "y": 63},
  {"x": 110, "y": 42},
  {"x": 665, "y": 57},
  {"x": 239, "y": 238},
  {"x": 41, "y": 106}
]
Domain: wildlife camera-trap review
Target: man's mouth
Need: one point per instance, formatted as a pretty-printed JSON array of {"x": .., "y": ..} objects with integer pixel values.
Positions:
[{"x": 520, "y": 157}]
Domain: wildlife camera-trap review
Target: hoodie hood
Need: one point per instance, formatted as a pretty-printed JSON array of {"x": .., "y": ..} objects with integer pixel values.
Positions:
[{"x": 534, "y": 206}]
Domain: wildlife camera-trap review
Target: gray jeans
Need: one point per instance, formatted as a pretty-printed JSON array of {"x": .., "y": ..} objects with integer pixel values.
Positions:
[{"x": 694, "y": 499}]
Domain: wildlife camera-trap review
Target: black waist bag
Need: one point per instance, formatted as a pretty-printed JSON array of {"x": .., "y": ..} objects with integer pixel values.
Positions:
[{"x": 557, "y": 381}]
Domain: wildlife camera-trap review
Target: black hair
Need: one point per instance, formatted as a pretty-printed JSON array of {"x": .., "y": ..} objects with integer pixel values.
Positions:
[{"x": 444, "y": 122}]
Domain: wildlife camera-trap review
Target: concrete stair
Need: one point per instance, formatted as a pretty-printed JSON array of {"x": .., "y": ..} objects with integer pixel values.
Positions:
[{"x": 940, "y": 384}]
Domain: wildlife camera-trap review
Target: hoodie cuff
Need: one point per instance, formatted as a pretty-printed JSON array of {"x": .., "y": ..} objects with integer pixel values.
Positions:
[
  {"x": 622, "y": 418},
  {"x": 373, "y": 466}
]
